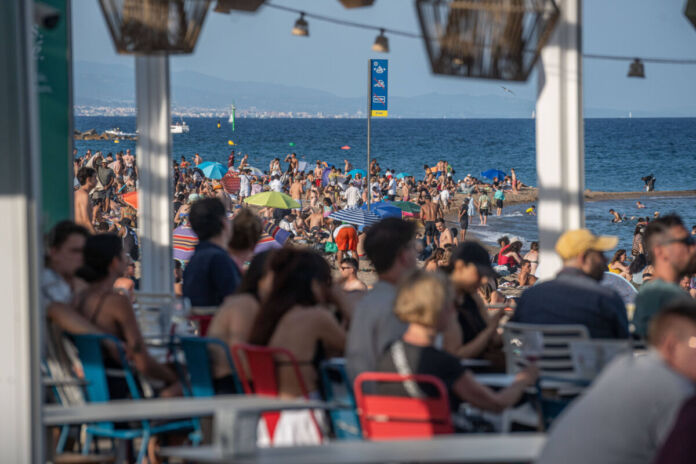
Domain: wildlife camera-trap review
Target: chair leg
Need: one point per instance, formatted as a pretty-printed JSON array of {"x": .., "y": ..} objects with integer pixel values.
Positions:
[
  {"x": 143, "y": 448},
  {"x": 62, "y": 439},
  {"x": 87, "y": 444}
]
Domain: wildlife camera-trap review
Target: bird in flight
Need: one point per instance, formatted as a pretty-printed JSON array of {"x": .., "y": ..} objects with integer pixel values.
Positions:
[{"x": 507, "y": 90}]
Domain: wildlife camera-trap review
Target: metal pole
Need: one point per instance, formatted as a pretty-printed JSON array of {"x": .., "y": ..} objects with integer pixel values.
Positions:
[
  {"x": 369, "y": 120},
  {"x": 154, "y": 168},
  {"x": 22, "y": 318},
  {"x": 559, "y": 136}
]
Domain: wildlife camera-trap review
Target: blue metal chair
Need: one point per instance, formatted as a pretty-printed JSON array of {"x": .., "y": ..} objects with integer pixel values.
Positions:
[
  {"x": 337, "y": 388},
  {"x": 90, "y": 352},
  {"x": 198, "y": 362}
]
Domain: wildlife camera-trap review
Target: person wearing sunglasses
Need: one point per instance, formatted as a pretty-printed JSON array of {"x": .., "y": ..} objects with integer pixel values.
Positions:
[
  {"x": 349, "y": 276},
  {"x": 672, "y": 252}
]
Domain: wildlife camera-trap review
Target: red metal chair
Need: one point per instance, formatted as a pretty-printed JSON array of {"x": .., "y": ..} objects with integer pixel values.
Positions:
[
  {"x": 384, "y": 417},
  {"x": 259, "y": 377}
]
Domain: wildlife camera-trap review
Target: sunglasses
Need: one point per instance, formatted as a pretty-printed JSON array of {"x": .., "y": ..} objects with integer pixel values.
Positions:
[
  {"x": 346, "y": 268},
  {"x": 687, "y": 241}
]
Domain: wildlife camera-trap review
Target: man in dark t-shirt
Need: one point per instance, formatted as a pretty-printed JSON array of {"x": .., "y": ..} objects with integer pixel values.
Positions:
[{"x": 211, "y": 274}]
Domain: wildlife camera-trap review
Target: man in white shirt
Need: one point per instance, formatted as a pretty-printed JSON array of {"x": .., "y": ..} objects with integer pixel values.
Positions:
[
  {"x": 352, "y": 196},
  {"x": 391, "y": 188},
  {"x": 275, "y": 185},
  {"x": 244, "y": 184}
]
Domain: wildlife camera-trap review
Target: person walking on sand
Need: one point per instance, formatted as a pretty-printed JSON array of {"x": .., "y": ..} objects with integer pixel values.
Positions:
[{"x": 430, "y": 212}]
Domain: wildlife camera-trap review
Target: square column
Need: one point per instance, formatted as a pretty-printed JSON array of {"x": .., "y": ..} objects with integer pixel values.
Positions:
[
  {"x": 560, "y": 136},
  {"x": 154, "y": 167}
]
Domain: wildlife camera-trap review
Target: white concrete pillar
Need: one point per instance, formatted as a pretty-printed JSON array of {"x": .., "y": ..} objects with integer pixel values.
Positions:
[
  {"x": 154, "y": 168},
  {"x": 559, "y": 136},
  {"x": 21, "y": 432}
]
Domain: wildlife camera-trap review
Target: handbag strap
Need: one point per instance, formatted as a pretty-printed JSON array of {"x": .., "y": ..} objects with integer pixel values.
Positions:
[{"x": 398, "y": 355}]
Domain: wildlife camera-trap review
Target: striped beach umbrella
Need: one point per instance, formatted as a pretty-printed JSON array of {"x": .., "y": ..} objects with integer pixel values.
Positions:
[
  {"x": 184, "y": 241},
  {"x": 384, "y": 209},
  {"x": 357, "y": 216}
]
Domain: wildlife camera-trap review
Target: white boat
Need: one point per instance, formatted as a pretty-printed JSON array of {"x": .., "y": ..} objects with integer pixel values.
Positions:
[
  {"x": 179, "y": 128},
  {"x": 116, "y": 132}
]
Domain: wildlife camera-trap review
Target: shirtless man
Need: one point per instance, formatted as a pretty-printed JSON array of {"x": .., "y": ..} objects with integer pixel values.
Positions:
[
  {"x": 243, "y": 163},
  {"x": 349, "y": 274},
  {"x": 318, "y": 170},
  {"x": 526, "y": 278},
  {"x": 639, "y": 205},
  {"x": 430, "y": 212},
  {"x": 197, "y": 159},
  {"x": 445, "y": 237},
  {"x": 405, "y": 191},
  {"x": 316, "y": 219},
  {"x": 292, "y": 160},
  {"x": 347, "y": 166},
  {"x": 296, "y": 189},
  {"x": 87, "y": 177}
]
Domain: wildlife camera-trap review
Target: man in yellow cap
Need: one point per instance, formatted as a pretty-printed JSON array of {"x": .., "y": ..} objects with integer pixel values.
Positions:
[{"x": 575, "y": 295}]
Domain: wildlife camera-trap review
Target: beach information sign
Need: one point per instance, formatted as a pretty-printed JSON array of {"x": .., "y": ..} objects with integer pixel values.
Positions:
[{"x": 378, "y": 86}]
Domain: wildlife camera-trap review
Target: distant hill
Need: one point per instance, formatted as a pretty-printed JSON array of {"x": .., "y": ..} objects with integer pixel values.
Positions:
[{"x": 98, "y": 84}]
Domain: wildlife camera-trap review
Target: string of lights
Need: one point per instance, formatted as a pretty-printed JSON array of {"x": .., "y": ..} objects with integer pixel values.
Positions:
[{"x": 304, "y": 30}]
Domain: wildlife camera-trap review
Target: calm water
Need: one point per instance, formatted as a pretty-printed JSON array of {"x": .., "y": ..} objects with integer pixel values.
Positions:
[{"x": 618, "y": 152}]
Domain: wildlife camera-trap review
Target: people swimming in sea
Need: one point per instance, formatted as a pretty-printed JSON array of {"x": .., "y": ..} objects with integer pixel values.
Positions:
[
  {"x": 616, "y": 216},
  {"x": 639, "y": 205}
]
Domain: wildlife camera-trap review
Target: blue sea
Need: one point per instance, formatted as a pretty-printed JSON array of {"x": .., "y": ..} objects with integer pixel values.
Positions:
[{"x": 618, "y": 152}]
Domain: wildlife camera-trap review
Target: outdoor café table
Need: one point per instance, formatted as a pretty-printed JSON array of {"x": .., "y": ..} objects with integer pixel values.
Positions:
[
  {"x": 235, "y": 417},
  {"x": 464, "y": 448}
]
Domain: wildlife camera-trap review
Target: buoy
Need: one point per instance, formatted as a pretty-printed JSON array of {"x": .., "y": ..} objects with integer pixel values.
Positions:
[
  {"x": 116, "y": 141},
  {"x": 292, "y": 144},
  {"x": 229, "y": 142},
  {"x": 218, "y": 124},
  {"x": 345, "y": 147}
]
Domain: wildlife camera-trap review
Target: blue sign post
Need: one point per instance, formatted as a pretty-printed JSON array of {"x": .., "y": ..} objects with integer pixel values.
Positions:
[
  {"x": 378, "y": 87},
  {"x": 376, "y": 105}
]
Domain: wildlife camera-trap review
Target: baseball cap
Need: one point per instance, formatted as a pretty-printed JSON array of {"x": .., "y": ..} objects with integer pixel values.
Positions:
[
  {"x": 472, "y": 252},
  {"x": 576, "y": 242}
]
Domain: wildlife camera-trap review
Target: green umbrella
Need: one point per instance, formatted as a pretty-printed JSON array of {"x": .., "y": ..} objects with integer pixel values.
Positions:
[
  {"x": 407, "y": 206},
  {"x": 272, "y": 199}
]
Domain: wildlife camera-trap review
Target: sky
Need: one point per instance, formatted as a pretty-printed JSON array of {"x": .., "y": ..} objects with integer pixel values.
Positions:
[{"x": 259, "y": 47}]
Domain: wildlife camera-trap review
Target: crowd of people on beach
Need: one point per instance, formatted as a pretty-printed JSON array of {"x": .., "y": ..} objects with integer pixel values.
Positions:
[{"x": 409, "y": 292}]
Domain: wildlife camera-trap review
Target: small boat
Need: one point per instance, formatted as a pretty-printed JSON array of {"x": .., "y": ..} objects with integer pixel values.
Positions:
[
  {"x": 116, "y": 132},
  {"x": 179, "y": 128}
]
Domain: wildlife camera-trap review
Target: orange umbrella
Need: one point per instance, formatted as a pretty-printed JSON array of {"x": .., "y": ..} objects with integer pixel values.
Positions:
[{"x": 131, "y": 199}]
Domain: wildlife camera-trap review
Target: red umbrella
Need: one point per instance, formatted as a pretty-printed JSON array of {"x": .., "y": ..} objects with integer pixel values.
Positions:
[
  {"x": 345, "y": 147},
  {"x": 131, "y": 199}
]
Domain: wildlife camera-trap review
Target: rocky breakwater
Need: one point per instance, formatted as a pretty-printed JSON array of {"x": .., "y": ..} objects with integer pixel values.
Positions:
[{"x": 92, "y": 134}]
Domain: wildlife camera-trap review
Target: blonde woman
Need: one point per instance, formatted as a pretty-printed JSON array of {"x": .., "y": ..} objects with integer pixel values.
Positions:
[{"x": 425, "y": 301}]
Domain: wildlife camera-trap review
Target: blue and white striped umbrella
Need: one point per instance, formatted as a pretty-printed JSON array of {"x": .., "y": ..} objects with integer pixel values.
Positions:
[{"x": 357, "y": 216}]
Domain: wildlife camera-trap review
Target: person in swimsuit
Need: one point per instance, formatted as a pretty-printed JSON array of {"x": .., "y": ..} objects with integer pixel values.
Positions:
[
  {"x": 104, "y": 261},
  {"x": 533, "y": 257},
  {"x": 233, "y": 321},
  {"x": 617, "y": 264}
]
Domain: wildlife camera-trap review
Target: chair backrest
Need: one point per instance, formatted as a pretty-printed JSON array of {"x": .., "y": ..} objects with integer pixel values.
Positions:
[
  {"x": 90, "y": 351},
  {"x": 555, "y": 358},
  {"x": 262, "y": 362},
  {"x": 337, "y": 388},
  {"x": 198, "y": 364},
  {"x": 591, "y": 356},
  {"x": 384, "y": 417},
  {"x": 259, "y": 375}
]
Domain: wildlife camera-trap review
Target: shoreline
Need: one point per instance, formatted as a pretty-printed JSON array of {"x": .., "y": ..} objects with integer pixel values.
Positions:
[{"x": 531, "y": 195}]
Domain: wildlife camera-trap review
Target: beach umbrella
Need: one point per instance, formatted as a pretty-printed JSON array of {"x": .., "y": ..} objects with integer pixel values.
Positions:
[
  {"x": 273, "y": 200},
  {"x": 254, "y": 171},
  {"x": 401, "y": 175},
  {"x": 493, "y": 173},
  {"x": 407, "y": 206},
  {"x": 214, "y": 170},
  {"x": 623, "y": 287},
  {"x": 357, "y": 216},
  {"x": 184, "y": 242},
  {"x": 384, "y": 209},
  {"x": 131, "y": 199},
  {"x": 265, "y": 243},
  {"x": 205, "y": 164},
  {"x": 353, "y": 172}
]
